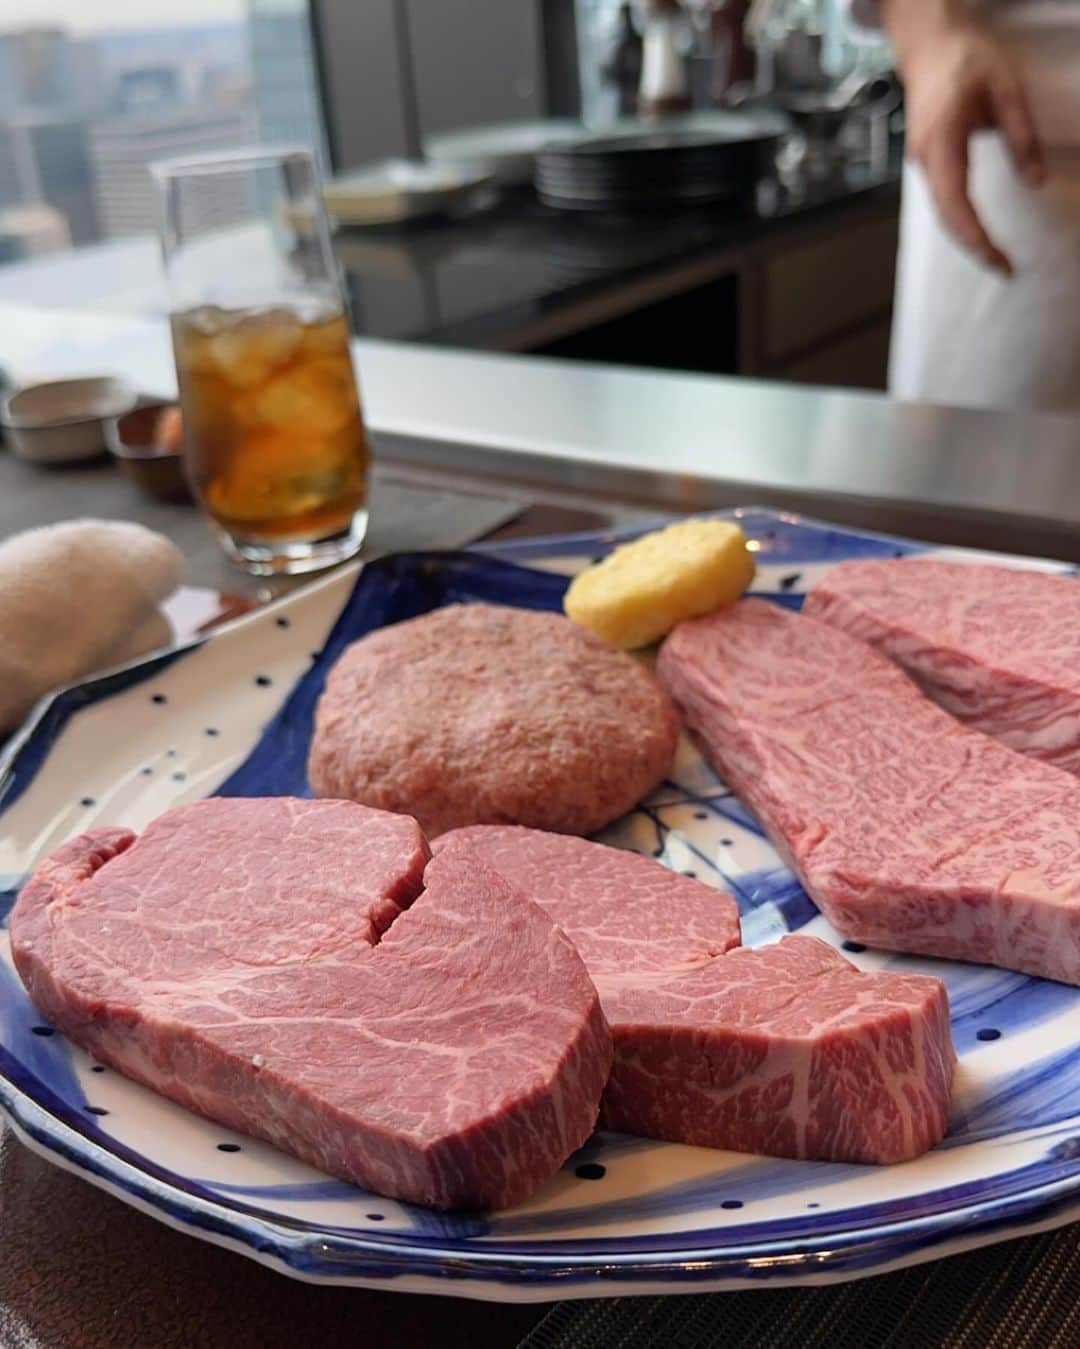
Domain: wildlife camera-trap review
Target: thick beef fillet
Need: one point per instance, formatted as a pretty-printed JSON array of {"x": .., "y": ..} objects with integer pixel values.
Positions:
[
  {"x": 909, "y": 830},
  {"x": 485, "y": 714},
  {"x": 788, "y": 1050},
  {"x": 225, "y": 959},
  {"x": 628, "y": 916},
  {"x": 995, "y": 646}
]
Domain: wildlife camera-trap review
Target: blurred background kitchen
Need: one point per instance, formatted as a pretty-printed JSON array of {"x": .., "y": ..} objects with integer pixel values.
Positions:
[{"x": 706, "y": 186}]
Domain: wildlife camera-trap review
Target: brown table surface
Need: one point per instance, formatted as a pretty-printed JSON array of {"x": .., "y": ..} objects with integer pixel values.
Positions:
[{"x": 81, "y": 1270}]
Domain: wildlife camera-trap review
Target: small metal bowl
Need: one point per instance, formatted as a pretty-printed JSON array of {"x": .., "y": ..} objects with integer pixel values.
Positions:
[
  {"x": 64, "y": 420},
  {"x": 156, "y": 469}
]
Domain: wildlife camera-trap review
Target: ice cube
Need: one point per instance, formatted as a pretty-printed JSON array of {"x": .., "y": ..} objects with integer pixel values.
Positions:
[
  {"x": 207, "y": 407},
  {"x": 276, "y": 474},
  {"x": 318, "y": 398},
  {"x": 208, "y": 319},
  {"x": 193, "y": 353},
  {"x": 252, "y": 347},
  {"x": 328, "y": 336},
  {"x": 191, "y": 332}
]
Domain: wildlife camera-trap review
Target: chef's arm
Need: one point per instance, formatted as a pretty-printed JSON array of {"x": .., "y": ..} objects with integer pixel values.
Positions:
[{"x": 959, "y": 78}]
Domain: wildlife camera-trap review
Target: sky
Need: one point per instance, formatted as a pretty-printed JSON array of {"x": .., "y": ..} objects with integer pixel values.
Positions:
[{"x": 93, "y": 16}]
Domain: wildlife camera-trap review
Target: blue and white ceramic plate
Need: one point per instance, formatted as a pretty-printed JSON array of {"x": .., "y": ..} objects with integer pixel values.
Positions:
[{"x": 232, "y": 714}]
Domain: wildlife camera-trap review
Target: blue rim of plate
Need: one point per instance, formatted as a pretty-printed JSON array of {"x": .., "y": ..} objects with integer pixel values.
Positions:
[
  {"x": 869, "y": 1241},
  {"x": 317, "y": 1255}
]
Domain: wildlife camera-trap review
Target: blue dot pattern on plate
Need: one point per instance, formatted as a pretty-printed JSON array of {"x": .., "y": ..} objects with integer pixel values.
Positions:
[
  {"x": 590, "y": 1171},
  {"x": 277, "y": 1211}
]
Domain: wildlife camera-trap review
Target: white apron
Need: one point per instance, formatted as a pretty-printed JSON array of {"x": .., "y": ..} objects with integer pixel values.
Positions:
[{"x": 962, "y": 334}]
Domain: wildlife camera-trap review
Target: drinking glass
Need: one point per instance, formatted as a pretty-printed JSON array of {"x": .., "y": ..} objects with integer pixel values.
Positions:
[{"x": 274, "y": 442}]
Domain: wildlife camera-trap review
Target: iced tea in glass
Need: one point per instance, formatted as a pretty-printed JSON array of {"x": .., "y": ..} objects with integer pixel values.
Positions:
[{"x": 274, "y": 440}]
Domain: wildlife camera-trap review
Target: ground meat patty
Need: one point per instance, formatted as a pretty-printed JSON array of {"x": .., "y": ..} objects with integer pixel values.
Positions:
[{"x": 480, "y": 714}]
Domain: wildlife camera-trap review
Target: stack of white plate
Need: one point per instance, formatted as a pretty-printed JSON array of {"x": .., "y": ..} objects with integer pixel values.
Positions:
[{"x": 508, "y": 152}]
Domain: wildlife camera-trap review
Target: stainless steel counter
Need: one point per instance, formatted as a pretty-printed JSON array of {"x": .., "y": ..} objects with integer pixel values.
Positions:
[
  {"x": 686, "y": 442},
  {"x": 668, "y": 441}
]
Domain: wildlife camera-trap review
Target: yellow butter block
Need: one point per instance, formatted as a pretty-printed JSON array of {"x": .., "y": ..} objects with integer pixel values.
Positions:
[{"x": 639, "y": 592}]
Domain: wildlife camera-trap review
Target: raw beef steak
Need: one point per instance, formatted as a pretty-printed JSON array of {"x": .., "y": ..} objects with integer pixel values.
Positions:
[
  {"x": 908, "y": 830},
  {"x": 225, "y": 959},
  {"x": 483, "y": 714},
  {"x": 788, "y": 1050},
  {"x": 997, "y": 647},
  {"x": 628, "y": 916}
]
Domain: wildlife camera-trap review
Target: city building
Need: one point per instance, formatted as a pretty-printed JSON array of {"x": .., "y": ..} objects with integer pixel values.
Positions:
[
  {"x": 37, "y": 70},
  {"x": 81, "y": 120},
  {"x": 123, "y": 148},
  {"x": 283, "y": 70},
  {"x": 28, "y": 231},
  {"x": 49, "y": 87},
  {"x": 45, "y": 161}
]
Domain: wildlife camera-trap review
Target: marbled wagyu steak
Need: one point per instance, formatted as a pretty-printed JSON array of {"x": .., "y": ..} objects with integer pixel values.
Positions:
[
  {"x": 787, "y": 1050},
  {"x": 909, "y": 830},
  {"x": 998, "y": 647},
  {"x": 297, "y": 970}
]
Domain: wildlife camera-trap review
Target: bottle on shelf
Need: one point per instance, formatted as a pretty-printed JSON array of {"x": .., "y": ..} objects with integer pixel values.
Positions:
[
  {"x": 623, "y": 66},
  {"x": 665, "y": 84},
  {"x": 733, "y": 59}
]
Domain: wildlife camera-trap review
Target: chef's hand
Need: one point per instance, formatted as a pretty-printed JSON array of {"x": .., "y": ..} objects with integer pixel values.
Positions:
[{"x": 959, "y": 79}]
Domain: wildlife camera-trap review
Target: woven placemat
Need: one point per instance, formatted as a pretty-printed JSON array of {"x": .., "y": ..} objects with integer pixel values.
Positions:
[{"x": 1017, "y": 1295}]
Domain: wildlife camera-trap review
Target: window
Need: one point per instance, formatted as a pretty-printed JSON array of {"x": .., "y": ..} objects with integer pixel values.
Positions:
[{"x": 92, "y": 93}]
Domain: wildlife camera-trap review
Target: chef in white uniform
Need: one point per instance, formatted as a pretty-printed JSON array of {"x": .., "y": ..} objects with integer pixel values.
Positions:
[{"x": 988, "y": 286}]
